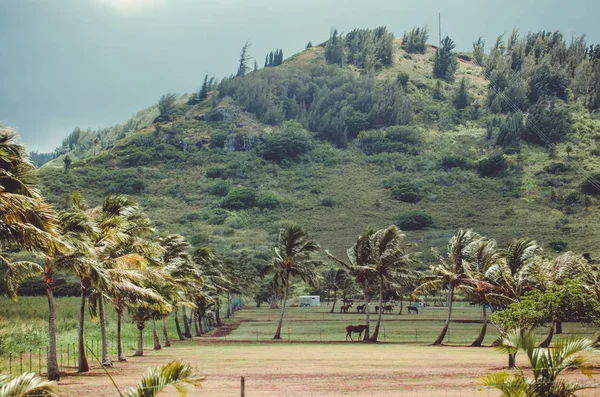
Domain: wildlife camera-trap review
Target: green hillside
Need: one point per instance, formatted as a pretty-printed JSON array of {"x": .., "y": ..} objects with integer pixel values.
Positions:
[{"x": 359, "y": 132}]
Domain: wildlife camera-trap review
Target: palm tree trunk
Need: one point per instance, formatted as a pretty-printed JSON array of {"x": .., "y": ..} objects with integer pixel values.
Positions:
[
  {"x": 512, "y": 360},
  {"x": 559, "y": 327},
  {"x": 179, "y": 334},
  {"x": 367, "y": 312},
  {"x": 120, "y": 354},
  {"x": 140, "y": 346},
  {"x": 196, "y": 328},
  {"x": 228, "y": 312},
  {"x": 334, "y": 300},
  {"x": 285, "y": 293},
  {"x": 442, "y": 335},
  {"x": 186, "y": 326},
  {"x": 401, "y": 304},
  {"x": 165, "y": 333},
  {"x": 157, "y": 345},
  {"x": 106, "y": 361},
  {"x": 376, "y": 332},
  {"x": 548, "y": 339},
  {"x": 82, "y": 358},
  {"x": 273, "y": 302},
  {"x": 477, "y": 342},
  {"x": 218, "y": 312},
  {"x": 52, "y": 365}
]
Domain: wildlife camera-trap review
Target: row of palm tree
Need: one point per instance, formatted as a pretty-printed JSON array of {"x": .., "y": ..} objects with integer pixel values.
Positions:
[
  {"x": 115, "y": 253},
  {"x": 495, "y": 278}
]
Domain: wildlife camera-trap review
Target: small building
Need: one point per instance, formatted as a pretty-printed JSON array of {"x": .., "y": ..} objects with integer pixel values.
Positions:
[{"x": 310, "y": 300}]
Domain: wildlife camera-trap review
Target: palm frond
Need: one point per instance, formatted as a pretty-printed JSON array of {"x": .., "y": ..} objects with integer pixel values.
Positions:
[
  {"x": 177, "y": 374},
  {"x": 27, "y": 385}
]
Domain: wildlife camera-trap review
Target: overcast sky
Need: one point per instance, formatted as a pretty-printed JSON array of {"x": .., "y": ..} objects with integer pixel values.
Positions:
[{"x": 93, "y": 63}]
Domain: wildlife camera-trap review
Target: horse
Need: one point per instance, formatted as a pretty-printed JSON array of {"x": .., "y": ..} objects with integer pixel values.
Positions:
[
  {"x": 388, "y": 308},
  {"x": 356, "y": 329},
  {"x": 412, "y": 308},
  {"x": 361, "y": 308},
  {"x": 344, "y": 309}
]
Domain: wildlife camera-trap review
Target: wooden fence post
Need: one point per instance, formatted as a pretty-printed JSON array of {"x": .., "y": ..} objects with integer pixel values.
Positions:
[{"x": 243, "y": 385}]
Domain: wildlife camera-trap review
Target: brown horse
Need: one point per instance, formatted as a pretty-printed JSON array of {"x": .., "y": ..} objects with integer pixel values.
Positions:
[
  {"x": 344, "y": 309},
  {"x": 356, "y": 329},
  {"x": 388, "y": 308}
]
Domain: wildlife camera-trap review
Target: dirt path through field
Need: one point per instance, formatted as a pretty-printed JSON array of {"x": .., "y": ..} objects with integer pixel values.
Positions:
[{"x": 313, "y": 369}]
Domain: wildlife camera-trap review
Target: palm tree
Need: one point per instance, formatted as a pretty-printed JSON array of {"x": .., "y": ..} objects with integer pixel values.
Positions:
[
  {"x": 452, "y": 272},
  {"x": 27, "y": 385},
  {"x": 292, "y": 259},
  {"x": 480, "y": 290},
  {"x": 546, "y": 364},
  {"x": 333, "y": 279},
  {"x": 27, "y": 222},
  {"x": 391, "y": 264},
  {"x": 79, "y": 230},
  {"x": 359, "y": 266}
]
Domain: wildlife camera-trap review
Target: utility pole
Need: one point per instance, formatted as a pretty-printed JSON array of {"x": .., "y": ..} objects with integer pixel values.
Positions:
[{"x": 440, "y": 29}]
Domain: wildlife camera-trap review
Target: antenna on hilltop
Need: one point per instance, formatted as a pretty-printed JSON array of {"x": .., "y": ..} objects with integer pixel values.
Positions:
[{"x": 440, "y": 28}]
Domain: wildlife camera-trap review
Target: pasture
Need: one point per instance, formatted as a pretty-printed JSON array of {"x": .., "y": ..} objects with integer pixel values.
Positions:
[{"x": 313, "y": 359}]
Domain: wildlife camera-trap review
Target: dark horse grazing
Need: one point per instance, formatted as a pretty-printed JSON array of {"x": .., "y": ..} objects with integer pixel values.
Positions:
[
  {"x": 388, "y": 308},
  {"x": 361, "y": 308},
  {"x": 344, "y": 309},
  {"x": 412, "y": 308},
  {"x": 356, "y": 329}
]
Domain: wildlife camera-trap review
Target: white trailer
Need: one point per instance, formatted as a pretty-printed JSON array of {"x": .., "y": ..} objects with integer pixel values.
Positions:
[{"x": 310, "y": 300}]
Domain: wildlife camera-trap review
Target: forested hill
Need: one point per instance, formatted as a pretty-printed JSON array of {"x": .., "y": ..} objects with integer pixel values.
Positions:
[{"x": 363, "y": 130}]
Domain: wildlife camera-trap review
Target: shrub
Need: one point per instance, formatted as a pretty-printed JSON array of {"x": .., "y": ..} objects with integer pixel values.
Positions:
[
  {"x": 220, "y": 188},
  {"x": 267, "y": 201},
  {"x": 451, "y": 161},
  {"x": 492, "y": 166},
  {"x": 414, "y": 220},
  {"x": 216, "y": 216},
  {"x": 239, "y": 198},
  {"x": 591, "y": 185},
  {"x": 402, "y": 78},
  {"x": 407, "y": 192},
  {"x": 215, "y": 172},
  {"x": 289, "y": 142},
  {"x": 328, "y": 202}
]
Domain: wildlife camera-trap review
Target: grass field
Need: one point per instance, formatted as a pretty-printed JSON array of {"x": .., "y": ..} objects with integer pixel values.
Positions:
[{"x": 313, "y": 359}]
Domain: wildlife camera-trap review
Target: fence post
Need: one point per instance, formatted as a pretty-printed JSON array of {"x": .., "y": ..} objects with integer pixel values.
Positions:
[
  {"x": 30, "y": 361},
  {"x": 243, "y": 385},
  {"x": 416, "y": 335},
  {"x": 10, "y": 365},
  {"x": 61, "y": 358},
  {"x": 68, "y": 355},
  {"x": 39, "y": 361},
  {"x": 21, "y": 362}
]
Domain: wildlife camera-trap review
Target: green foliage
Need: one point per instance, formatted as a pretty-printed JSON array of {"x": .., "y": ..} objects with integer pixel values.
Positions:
[
  {"x": 243, "y": 67},
  {"x": 403, "y": 78},
  {"x": 591, "y": 185},
  {"x": 547, "y": 121},
  {"x": 401, "y": 139},
  {"x": 334, "y": 50},
  {"x": 369, "y": 48},
  {"x": 455, "y": 161},
  {"x": 479, "y": 51},
  {"x": 328, "y": 202},
  {"x": 415, "y": 41},
  {"x": 445, "y": 61},
  {"x": 167, "y": 105},
  {"x": 492, "y": 166},
  {"x": 290, "y": 142},
  {"x": 462, "y": 99},
  {"x": 407, "y": 191},
  {"x": 239, "y": 198},
  {"x": 220, "y": 187},
  {"x": 414, "y": 220}
]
